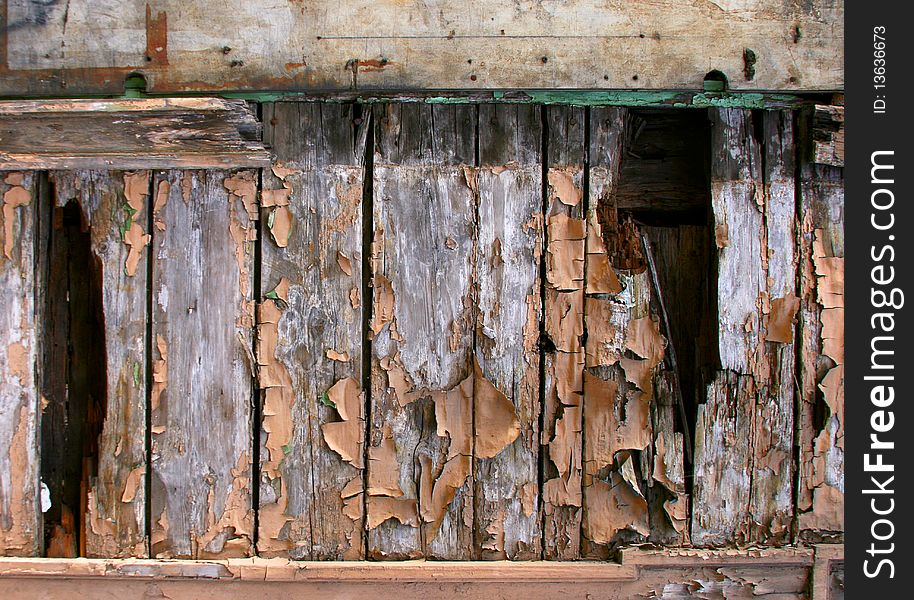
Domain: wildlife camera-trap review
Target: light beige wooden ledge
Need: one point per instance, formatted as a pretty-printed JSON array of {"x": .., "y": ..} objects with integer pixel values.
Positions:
[{"x": 792, "y": 572}]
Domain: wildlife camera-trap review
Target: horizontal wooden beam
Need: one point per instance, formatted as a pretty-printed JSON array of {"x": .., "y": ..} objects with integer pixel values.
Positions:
[
  {"x": 787, "y": 571},
  {"x": 147, "y": 133},
  {"x": 51, "y": 48}
]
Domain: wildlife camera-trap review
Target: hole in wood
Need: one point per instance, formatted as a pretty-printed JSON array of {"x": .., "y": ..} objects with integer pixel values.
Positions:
[
  {"x": 74, "y": 381},
  {"x": 716, "y": 81}
]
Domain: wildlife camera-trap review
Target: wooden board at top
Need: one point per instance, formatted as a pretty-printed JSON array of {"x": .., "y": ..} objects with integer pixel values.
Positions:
[{"x": 83, "y": 47}]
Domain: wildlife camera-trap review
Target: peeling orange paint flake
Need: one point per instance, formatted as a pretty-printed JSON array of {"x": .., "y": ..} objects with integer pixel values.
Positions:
[
  {"x": 564, "y": 320},
  {"x": 601, "y": 276},
  {"x": 274, "y": 379},
  {"x": 562, "y": 185},
  {"x": 280, "y": 197},
  {"x": 610, "y": 507},
  {"x": 383, "y": 303},
  {"x": 136, "y": 188},
  {"x": 643, "y": 338},
  {"x": 13, "y": 198},
  {"x": 384, "y": 471},
  {"x": 244, "y": 185},
  {"x": 601, "y": 346},
  {"x": 781, "y": 319},
  {"x": 496, "y": 423},
  {"x": 17, "y": 356},
  {"x": 161, "y": 200},
  {"x": 281, "y": 225},
  {"x": 338, "y": 356},
  {"x": 346, "y": 437},
  {"x": 159, "y": 374},
  {"x": 565, "y": 252},
  {"x": 134, "y": 478},
  {"x": 345, "y": 264},
  {"x": 382, "y": 508},
  {"x": 137, "y": 239}
]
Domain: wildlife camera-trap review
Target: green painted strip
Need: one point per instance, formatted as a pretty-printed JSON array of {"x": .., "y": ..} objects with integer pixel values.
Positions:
[{"x": 630, "y": 98}]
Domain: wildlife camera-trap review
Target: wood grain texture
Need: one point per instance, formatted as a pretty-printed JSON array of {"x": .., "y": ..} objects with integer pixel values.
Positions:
[
  {"x": 312, "y": 496},
  {"x": 509, "y": 249},
  {"x": 116, "y": 515},
  {"x": 129, "y": 134},
  {"x": 564, "y": 365},
  {"x": 423, "y": 263},
  {"x": 180, "y": 47},
  {"x": 203, "y": 369},
  {"x": 743, "y": 484},
  {"x": 20, "y": 515}
]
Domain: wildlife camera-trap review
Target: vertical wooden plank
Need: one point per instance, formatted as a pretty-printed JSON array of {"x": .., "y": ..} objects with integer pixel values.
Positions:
[
  {"x": 820, "y": 415},
  {"x": 509, "y": 184},
  {"x": 114, "y": 206},
  {"x": 20, "y": 514},
  {"x": 203, "y": 365},
  {"x": 624, "y": 351},
  {"x": 310, "y": 357},
  {"x": 564, "y": 326},
  {"x": 422, "y": 326},
  {"x": 743, "y": 483}
]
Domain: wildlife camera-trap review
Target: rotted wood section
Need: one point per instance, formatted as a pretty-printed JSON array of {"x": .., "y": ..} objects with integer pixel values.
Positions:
[{"x": 431, "y": 331}]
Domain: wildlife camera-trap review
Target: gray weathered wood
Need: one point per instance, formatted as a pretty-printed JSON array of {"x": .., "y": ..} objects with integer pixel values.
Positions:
[
  {"x": 115, "y": 519},
  {"x": 743, "y": 483},
  {"x": 84, "y": 47},
  {"x": 563, "y": 398},
  {"x": 129, "y": 134},
  {"x": 203, "y": 316},
  {"x": 509, "y": 249},
  {"x": 20, "y": 514},
  {"x": 424, "y": 230},
  {"x": 317, "y": 341}
]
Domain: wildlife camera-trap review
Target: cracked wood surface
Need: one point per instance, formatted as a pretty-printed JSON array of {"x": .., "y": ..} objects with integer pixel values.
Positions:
[
  {"x": 112, "y": 204},
  {"x": 82, "y": 47},
  {"x": 20, "y": 517},
  {"x": 744, "y": 483},
  {"x": 201, "y": 405},
  {"x": 311, "y": 456}
]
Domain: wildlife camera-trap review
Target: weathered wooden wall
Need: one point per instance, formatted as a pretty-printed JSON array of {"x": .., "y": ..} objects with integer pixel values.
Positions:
[
  {"x": 443, "y": 331},
  {"x": 48, "y": 47}
]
